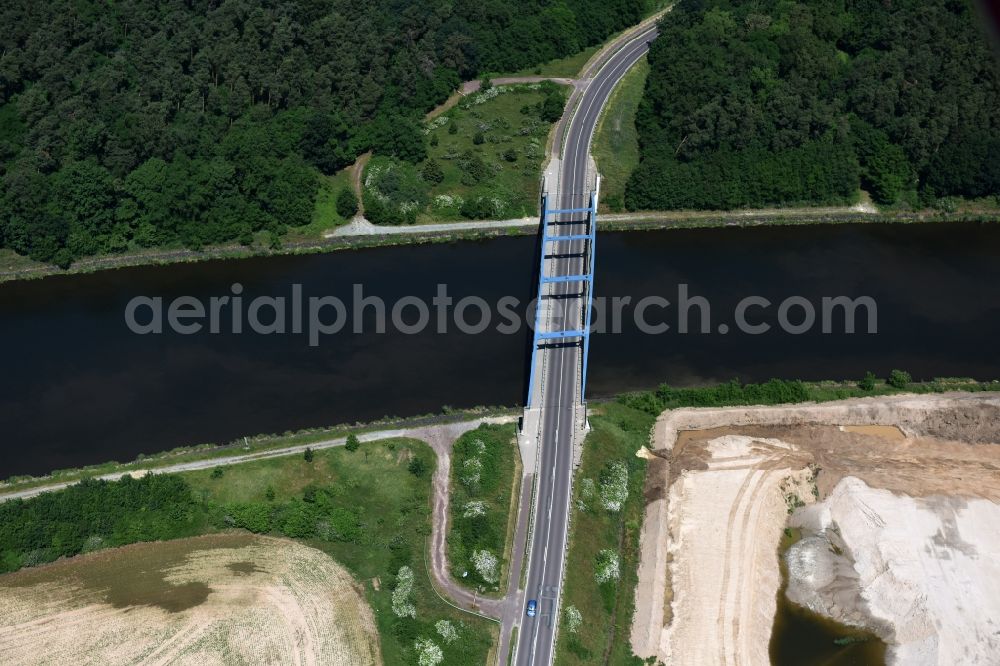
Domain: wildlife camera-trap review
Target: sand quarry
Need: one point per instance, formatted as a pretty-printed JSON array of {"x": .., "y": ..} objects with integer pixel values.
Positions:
[
  {"x": 223, "y": 599},
  {"x": 899, "y": 502}
]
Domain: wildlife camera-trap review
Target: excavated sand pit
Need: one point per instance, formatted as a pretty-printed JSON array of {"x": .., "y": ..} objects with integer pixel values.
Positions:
[{"x": 719, "y": 496}]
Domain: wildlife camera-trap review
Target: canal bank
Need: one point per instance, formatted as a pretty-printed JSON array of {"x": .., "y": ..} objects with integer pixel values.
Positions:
[
  {"x": 16, "y": 268},
  {"x": 80, "y": 387}
]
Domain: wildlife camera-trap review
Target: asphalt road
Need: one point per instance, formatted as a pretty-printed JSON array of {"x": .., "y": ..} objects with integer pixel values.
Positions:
[{"x": 561, "y": 366}]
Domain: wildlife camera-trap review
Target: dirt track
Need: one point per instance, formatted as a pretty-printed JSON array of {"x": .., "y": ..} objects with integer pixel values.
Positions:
[{"x": 716, "y": 503}]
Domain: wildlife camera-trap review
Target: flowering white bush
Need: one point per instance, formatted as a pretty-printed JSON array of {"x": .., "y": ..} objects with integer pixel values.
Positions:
[
  {"x": 573, "y": 619},
  {"x": 401, "y": 605},
  {"x": 428, "y": 652},
  {"x": 474, "y": 509},
  {"x": 471, "y": 477},
  {"x": 487, "y": 565},
  {"x": 447, "y": 631},
  {"x": 607, "y": 566},
  {"x": 448, "y": 201},
  {"x": 587, "y": 491},
  {"x": 614, "y": 486},
  {"x": 440, "y": 121},
  {"x": 498, "y": 205},
  {"x": 484, "y": 96}
]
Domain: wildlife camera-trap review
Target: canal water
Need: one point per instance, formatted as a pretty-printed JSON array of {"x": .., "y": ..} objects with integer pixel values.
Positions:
[{"x": 79, "y": 387}]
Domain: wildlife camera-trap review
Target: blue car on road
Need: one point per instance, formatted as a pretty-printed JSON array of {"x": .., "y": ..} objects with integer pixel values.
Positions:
[{"x": 532, "y": 607}]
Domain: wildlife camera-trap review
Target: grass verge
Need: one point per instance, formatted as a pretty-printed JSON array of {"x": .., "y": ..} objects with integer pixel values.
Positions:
[
  {"x": 601, "y": 525},
  {"x": 483, "y": 470},
  {"x": 616, "y": 141}
]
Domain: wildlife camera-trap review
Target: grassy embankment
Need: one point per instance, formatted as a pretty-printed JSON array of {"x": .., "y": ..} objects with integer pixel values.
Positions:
[
  {"x": 620, "y": 428},
  {"x": 484, "y": 476},
  {"x": 369, "y": 509},
  {"x": 616, "y": 141}
]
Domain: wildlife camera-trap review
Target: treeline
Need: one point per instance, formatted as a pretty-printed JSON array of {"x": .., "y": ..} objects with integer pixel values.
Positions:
[
  {"x": 773, "y": 392},
  {"x": 96, "y": 514},
  {"x": 773, "y": 102},
  {"x": 140, "y": 123},
  {"x": 93, "y": 515}
]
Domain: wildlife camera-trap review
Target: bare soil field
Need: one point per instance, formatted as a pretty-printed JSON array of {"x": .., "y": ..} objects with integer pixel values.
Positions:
[
  {"x": 221, "y": 599},
  {"x": 725, "y": 481}
]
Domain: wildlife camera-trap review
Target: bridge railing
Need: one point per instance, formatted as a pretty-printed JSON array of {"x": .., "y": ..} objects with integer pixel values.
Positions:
[{"x": 586, "y": 278}]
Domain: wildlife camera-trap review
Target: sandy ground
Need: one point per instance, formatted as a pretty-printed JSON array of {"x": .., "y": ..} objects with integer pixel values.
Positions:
[
  {"x": 924, "y": 571},
  {"x": 719, "y": 491},
  {"x": 211, "y": 600}
]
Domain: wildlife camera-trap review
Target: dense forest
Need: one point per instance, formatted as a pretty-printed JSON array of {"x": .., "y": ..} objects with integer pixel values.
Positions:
[
  {"x": 771, "y": 102},
  {"x": 141, "y": 123}
]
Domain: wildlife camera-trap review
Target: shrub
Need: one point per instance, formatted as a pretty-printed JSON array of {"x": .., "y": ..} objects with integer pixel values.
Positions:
[
  {"x": 614, "y": 486},
  {"x": 607, "y": 566},
  {"x": 433, "y": 173},
  {"x": 573, "y": 619},
  {"x": 446, "y": 630},
  {"x": 347, "y": 203},
  {"x": 899, "y": 379},
  {"x": 487, "y": 565},
  {"x": 394, "y": 192},
  {"x": 255, "y": 517},
  {"x": 428, "y": 652},
  {"x": 308, "y": 455},
  {"x": 417, "y": 466},
  {"x": 867, "y": 382},
  {"x": 353, "y": 443},
  {"x": 401, "y": 604}
]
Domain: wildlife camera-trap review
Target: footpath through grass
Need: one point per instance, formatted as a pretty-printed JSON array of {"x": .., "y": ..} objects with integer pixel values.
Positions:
[{"x": 482, "y": 481}]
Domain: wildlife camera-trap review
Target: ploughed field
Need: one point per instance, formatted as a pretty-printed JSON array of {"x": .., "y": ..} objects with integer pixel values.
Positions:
[{"x": 228, "y": 598}]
